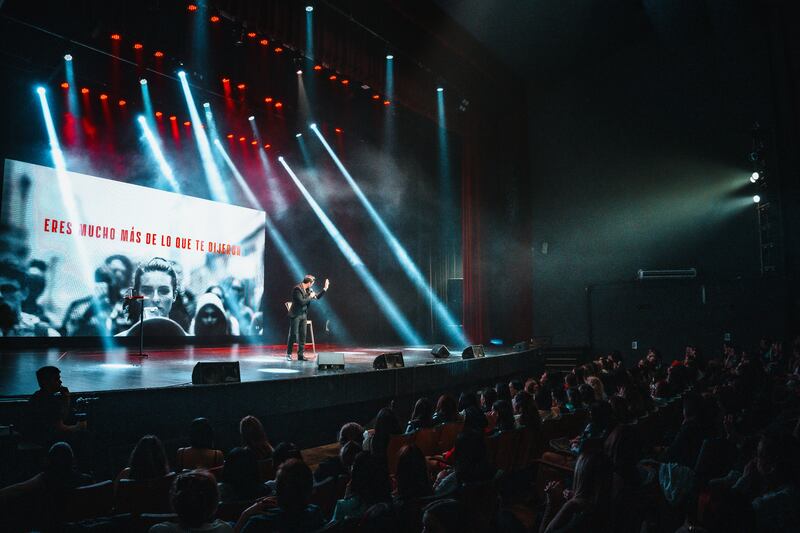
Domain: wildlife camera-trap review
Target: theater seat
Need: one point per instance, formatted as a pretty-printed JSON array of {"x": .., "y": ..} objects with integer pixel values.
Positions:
[
  {"x": 88, "y": 502},
  {"x": 144, "y": 496}
]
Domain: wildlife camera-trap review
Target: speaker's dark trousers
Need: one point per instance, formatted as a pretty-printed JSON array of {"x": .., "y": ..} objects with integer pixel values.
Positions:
[{"x": 297, "y": 333}]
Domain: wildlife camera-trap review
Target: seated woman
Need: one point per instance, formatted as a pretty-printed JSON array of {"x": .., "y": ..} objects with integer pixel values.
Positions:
[
  {"x": 586, "y": 507},
  {"x": 386, "y": 425},
  {"x": 147, "y": 460},
  {"x": 240, "y": 478},
  {"x": 157, "y": 282},
  {"x": 194, "y": 498},
  {"x": 421, "y": 417},
  {"x": 201, "y": 452},
  {"x": 369, "y": 484},
  {"x": 505, "y": 416},
  {"x": 254, "y": 437},
  {"x": 446, "y": 410},
  {"x": 471, "y": 463}
]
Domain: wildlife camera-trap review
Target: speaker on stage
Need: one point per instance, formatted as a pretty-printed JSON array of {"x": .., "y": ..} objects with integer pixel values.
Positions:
[
  {"x": 330, "y": 361},
  {"x": 473, "y": 351},
  {"x": 440, "y": 350},
  {"x": 388, "y": 360},
  {"x": 216, "y": 372}
]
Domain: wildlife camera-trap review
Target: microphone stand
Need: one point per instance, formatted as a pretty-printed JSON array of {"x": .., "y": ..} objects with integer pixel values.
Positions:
[{"x": 140, "y": 298}]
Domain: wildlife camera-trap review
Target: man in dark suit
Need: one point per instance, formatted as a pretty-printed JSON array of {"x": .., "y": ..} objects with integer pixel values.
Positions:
[{"x": 302, "y": 295}]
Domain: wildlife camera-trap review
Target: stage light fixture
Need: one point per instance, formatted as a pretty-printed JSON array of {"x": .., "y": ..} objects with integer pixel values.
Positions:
[
  {"x": 159, "y": 114},
  {"x": 757, "y": 199},
  {"x": 206, "y": 105},
  {"x": 138, "y": 46},
  {"x": 298, "y": 135},
  {"x": 104, "y": 97},
  {"x": 191, "y": 7},
  {"x": 41, "y": 92},
  {"x": 309, "y": 9},
  {"x": 116, "y": 37},
  {"x": 122, "y": 103},
  {"x": 386, "y": 102},
  {"x": 251, "y": 118},
  {"x": 182, "y": 74},
  {"x": 254, "y": 142},
  {"x": 263, "y": 42},
  {"x": 299, "y": 72},
  {"x": 242, "y": 139},
  {"x": 754, "y": 177},
  {"x": 251, "y": 34},
  {"x": 387, "y": 306},
  {"x": 84, "y": 90},
  {"x": 278, "y": 50},
  {"x": 241, "y": 86},
  {"x": 439, "y": 89},
  {"x": 268, "y": 99},
  {"x": 345, "y": 82},
  {"x": 143, "y": 81},
  {"x": 229, "y": 136},
  {"x": 68, "y": 57},
  {"x": 267, "y": 146},
  {"x": 409, "y": 267},
  {"x": 337, "y": 130},
  {"x": 312, "y": 125},
  {"x": 389, "y": 56},
  {"x": 226, "y": 80},
  {"x": 332, "y": 77},
  {"x": 65, "y": 85},
  {"x": 187, "y": 123},
  {"x": 214, "y": 19},
  {"x": 376, "y": 97},
  {"x": 278, "y": 105},
  {"x": 158, "y": 53},
  {"x": 173, "y": 118},
  {"x": 317, "y": 67}
]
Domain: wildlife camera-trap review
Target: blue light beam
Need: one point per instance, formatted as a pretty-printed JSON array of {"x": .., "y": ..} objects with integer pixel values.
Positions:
[
  {"x": 385, "y": 304},
  {"x": 397, "y": 248},
  {"x": 158, "y": 155}
]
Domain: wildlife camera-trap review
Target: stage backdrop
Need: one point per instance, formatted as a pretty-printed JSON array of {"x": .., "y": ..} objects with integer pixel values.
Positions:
[{"x": 80, "y": 238}]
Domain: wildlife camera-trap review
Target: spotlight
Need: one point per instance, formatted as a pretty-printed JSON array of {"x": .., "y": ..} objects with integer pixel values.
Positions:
[
  {"x": 337, "y": 130},
  {"x": 40, "y": 90},
  {"x": 138, "y": 46},
  {"x": 440, "y": 89},
  {"x": 65, "y": 85},
  {"x": 206, "y": 105},
  {"x": 267, "y": 146},
  {"x": 299, "y": 135},
  {"x": 229, "y": 136},
  {"x": 241, "y": 86},
  {"x": 268, "y": 99},
  {"x": 280, "y": 158},
  {"x": 122, "y": 103},
  {"x": 251, "y": 118},
  {"x": 251, "y": 34},
  {"x": 345, "y": 82},
  {"x": 84, "y": 90},
  {"x": 158, "y": 53},
  {"x": 263, "y": 42},
  {"x": 173, "y": 118},
  {"x": 181, "y": 73},
  {"x": 754, "y": 177},
  {"x": 317, "y": 67},
  {"x": 68, "y": 57},
  {"x": 104, "y": 97},
  {"x": 143, "y": 81},
  {"x": 313, "y": 126},
  {"x": 226, "y": 80},
  {"x": 389, "y": 56},
  {"x": 386, "y": 102},
  {"x": 116, "y": 37},
  {"x": 299, "y": 73},
  {"x": 756, "y": 199},
  {"x": 187, "y": 123},
  {"x": 376, "y": 97},
  {"x": 159, "y": 114},
  {"x": 309, "y": 9},
  {"x": 214, "y": 19},
  {"x": 191, "y": 7},
  {"x": 254, "y": 143},
  {"x": 332, "y": 77},
  {"x": 278, "y": 105},
  {"x": 242, "y": 139},
  {"x": 278, "y": 50}
]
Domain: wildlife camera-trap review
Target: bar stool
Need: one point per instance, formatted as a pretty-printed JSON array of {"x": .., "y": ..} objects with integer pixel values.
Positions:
[{"x": 309, "y": 329}]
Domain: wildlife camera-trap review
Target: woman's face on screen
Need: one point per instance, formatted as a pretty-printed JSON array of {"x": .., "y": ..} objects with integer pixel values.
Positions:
[{"x": 156, "y": 287}]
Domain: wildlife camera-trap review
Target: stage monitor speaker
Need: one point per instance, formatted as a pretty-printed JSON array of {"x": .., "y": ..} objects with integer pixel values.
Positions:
[
  {"x": 440, "y": 350},
  {"x": 473, "y": 351},
  {"x": 330, "y": 361},
  {"x": 213, "y": 373},
  {"x": 389, "y": 360}
]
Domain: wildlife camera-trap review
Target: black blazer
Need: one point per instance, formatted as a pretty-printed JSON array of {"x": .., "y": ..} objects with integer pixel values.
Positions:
[{"x": 301, "y": 299}]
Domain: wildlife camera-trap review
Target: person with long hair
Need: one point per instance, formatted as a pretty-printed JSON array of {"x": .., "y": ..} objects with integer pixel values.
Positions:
[
  {"x": 201, "y": 452},
  {"x": 586, "y": 507},
  {"x": 254, "y": 437},
  {"x": 413, "y": 479},
  {"x": 147, "y": 461},
  {"x": 369, "y": 484},
  {"x": 421, "y": 417},
  {"x": 240, "y": 477},
  {"x": 386, "y": 425},
  {"x": 446, "y": 410}
]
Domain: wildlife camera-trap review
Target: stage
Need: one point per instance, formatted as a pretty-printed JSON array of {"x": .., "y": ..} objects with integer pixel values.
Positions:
[{"x": 116, "y": 369}]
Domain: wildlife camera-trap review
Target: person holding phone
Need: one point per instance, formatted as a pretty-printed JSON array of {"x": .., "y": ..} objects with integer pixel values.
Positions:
[{"x": 302, "y": 295}]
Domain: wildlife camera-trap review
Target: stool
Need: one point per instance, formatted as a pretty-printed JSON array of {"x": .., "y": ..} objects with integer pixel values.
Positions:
[{"x": 309, "y": 327}]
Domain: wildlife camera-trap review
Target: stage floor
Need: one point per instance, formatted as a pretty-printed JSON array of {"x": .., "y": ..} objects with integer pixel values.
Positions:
[{"x": 121, "y": 369}]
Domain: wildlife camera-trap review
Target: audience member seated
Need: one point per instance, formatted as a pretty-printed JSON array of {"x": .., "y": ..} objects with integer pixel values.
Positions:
[
  {"x": 686, "y": 445},
  {"x": 471, "y": 464},
  {"x": 382, "y": 518},
  {"x": 255, "y": 438},
  {"x": 525, "y": 411},
  {"x": 445, "y": 516},
  {"x": 240, "y": 477},
  {"x": 194, "y": 498},
  {"x": 584, "y": 508},
  {"x": 413, "y": 479},
  {"x": 147, "y": 461},
  {"x": 502, "y": 391},
  {"x": 49, "y": 409},
  {"x": 466, "y": 400},
  {"x": 597, "y": 387},
  {"x": 488, "y": 397},
  {"x": 282, "y": 453},
  {"x": 421, "y": 417},
  {"x": 58, "y": 475},
  {"x": 377, "y": 441},
  {"x": 505, "y": 416},
  {"x": 369, "y": 484},
  {"x": 632, "y": 485},
  {"x": 350, "y": 438},
  {"x": 446, "y": 410},
  {"x": 201, "y": 452}
]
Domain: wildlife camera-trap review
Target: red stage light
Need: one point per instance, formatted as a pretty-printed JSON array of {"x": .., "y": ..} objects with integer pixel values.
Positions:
[
  {"x": 268, "y": 99},
  {"x": 116, "y": 37},
  {"x": 267, "y": 146},
  {"x": 345, "y": 82},
  {"x": 251, "y": 34},
  {"x": 226, "y": 80},
  {"x": 159, "y": 114},
  {"x": 104, "y": 97},
  {"x": 332, "y": 77},
  {"x": 338, "y": 130},
  {"x": 242, "y": 139},
  {"x": 214, "y": 19},
  {"x": 187, "y": 123},
  {"x": 173, "y": 118},
  {"x": 122, "y": 103},
  {"x": 241, "y": 86},
  {"x": 317, "y": 67},
  {"x": 159, "y": 53},
  {"x": 278, "y": 105},
  {"x": 84, "y": 90},
  {"x": 376, "y": 97},
  {"x": 264, "y": 42},
  {"x": 230, "y": 136},
  {"x": 278, "y": 50},
  {"x": 138, "y": 46},
  {"x": 254, "y": 143},
  {"x": 191, "y": 7},
  {"x": 386, "y": 102},
  {"x": 65, "y": 85}
]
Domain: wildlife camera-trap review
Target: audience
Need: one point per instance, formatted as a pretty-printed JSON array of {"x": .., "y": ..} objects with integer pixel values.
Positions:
[
  {"x": 421, "y": 417},
  {"x": 369, "y": 484},
  {"x": 350, "y": 438},
  {"x": 446, "y": 410},
  {"x": 147, "y": 461},
  {"x": 194, "y": 499},
  {"x": 201, "y": 452},
  {"x": 386, "y": 425},
  {"x": 49, "y": 409},
  {"x": 240, "y": 477},
  {"x": 255, "y": 438}
]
